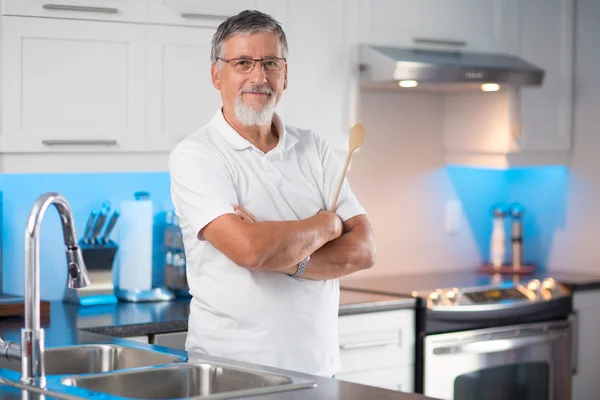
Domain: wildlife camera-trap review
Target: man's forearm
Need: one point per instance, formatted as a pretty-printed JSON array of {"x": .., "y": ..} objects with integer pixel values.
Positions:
[
  {"x": 351, "y": 252},
  {"x": 275, "y": 245}
]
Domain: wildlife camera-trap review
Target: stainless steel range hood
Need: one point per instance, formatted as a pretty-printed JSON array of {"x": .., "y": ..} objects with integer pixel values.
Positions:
[{"x": 385, "y": 67}]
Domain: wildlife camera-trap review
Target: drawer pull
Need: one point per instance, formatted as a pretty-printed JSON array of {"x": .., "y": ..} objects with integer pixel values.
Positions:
[
  {"x": 205, "y": 16},
  {"x": 107, "y": 10},
  {"x": 372, "y": 343},
  {"x": 442, "y": 42},
  {"x": 79, "y": 142}
]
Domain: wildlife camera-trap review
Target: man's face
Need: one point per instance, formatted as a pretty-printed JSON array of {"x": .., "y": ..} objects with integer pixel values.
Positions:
[{"x": 246, "y": 88}]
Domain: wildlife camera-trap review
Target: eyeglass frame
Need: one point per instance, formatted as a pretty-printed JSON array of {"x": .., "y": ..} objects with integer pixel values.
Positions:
[{"x": 254, "y": 60}]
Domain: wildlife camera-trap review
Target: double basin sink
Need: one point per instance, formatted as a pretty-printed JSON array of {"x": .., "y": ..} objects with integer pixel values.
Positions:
[{"x": 106, "y": 370}]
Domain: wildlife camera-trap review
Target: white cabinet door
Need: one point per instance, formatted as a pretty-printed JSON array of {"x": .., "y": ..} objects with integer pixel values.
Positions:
[
  {"x": 200, "y": 12},
  {"x": 181, "y": 97},
  {"x": 377, "y": 349},
  {"x": 71, "y": 85},
  {"x": 469, "y": 24},
  {"x": 110, "y": 10},
  {"x": 586, "y": 384},
  {"x": 546, "y": 39}
]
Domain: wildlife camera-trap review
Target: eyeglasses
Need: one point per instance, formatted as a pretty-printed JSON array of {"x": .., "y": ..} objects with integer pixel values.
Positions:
[{"x": 246, "y": 65}]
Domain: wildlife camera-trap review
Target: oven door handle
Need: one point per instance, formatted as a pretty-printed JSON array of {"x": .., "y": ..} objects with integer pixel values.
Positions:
[{"x": 494, "y": 346}]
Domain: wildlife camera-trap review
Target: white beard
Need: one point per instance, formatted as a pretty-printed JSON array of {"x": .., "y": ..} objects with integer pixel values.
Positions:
[{"x": 250, "y": 116}]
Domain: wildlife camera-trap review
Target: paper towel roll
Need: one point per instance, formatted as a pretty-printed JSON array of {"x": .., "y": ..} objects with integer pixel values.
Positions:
[{"x": 135, "y": 245}]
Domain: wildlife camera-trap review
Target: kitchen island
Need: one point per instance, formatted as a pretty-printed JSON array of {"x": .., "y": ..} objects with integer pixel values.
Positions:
[{"x": 70, "y": 324}]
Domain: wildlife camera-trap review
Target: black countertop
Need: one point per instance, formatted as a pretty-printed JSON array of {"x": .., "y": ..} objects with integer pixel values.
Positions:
[
  {"x": 136, "y": 319},
  {"x": 404, "y": 285},
  {"x": 71, "y": 324}
]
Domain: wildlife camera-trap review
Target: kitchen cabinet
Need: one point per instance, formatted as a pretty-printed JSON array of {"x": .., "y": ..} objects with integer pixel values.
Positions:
[
  {"x": 520, "y": 126},
  {"x": 174, "y": 340},
  {"x": 81, "y": 94},
  {"x": 377, "y": 349},
  {"x": 141, "y": 339},
  {"x": 109, "y": 10},
  {"x": 71, "y": 86},
  {"x": 181, "y": 97},
  {"x": 472, "y": 25},
  {"x": 208, "y": 13},
  {"x": 586, "y": 351}
]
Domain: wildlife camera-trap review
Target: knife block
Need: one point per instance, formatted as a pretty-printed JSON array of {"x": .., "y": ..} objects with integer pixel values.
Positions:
[{"x": 98, "y": 260}]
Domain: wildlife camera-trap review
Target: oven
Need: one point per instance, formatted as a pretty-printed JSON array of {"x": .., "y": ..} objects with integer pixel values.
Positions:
[{"x": 498, "y": 343}]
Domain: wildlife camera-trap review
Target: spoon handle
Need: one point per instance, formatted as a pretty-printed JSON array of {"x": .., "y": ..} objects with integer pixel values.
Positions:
[{"x": 339, "y": 188}]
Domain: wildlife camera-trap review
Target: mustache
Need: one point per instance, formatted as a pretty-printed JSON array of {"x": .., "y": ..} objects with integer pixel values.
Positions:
[{"x": 257, "y": 89}]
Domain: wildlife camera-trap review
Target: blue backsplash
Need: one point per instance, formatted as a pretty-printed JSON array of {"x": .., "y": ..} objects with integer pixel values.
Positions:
[
  {"x": 542, "y": 190},
  {"x": 83, "y": 192}
]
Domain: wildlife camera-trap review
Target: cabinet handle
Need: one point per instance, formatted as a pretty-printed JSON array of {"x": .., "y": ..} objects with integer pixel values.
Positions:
[
  {"x": 205, "y": 16},
  {"x": 443, "y": 42},
  {"x": 79, "y": 142},
  {"x": 372, "y": 343},
  {"x": 107, "y": 10}
]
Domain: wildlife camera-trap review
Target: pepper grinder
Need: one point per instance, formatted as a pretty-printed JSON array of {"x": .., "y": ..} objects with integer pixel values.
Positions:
[{"x": 516, "y": 213}]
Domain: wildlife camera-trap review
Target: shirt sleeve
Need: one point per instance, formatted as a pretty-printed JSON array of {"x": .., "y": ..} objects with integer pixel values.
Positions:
[
  {"x": 348, "y": 205},
  {"x": 202, "y": 188}
]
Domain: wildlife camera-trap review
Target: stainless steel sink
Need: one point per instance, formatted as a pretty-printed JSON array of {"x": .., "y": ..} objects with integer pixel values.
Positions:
[
  {"x": 206, "y": 380},
  {"x": 93, "y": 358}
]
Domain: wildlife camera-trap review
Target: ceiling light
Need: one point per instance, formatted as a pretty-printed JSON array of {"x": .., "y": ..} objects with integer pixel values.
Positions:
[
  {"x": 490, "y": 87},
  {"x": 408, "y": 83}
]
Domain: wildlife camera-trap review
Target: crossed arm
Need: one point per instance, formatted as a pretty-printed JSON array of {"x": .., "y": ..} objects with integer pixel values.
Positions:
[{"x": 336, "y": 249}]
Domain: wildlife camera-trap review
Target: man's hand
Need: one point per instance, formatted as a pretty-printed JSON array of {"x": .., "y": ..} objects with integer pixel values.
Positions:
[{"x": 244, "y": 214}]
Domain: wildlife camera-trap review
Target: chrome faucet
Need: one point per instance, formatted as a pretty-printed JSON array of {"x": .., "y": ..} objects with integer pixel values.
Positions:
[{"x": 32, "y": 335}]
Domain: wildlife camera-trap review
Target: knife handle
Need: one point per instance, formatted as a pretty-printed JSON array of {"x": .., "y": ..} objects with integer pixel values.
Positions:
[
  {"x": 88, "y": 226},
  {"x": 111, "y": 224}
]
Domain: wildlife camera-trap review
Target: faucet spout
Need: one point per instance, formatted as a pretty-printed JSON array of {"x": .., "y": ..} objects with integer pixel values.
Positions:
[{"x": 32, "y": 335}]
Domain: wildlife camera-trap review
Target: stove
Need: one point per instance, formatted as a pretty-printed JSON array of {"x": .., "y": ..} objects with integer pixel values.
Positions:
[{"x": 512, "y": 339}]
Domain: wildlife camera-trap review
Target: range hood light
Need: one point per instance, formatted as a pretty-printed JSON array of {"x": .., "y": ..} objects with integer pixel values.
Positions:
[
  {"x": 490, "y": 87},
  {"x": 408, "y": 83}
]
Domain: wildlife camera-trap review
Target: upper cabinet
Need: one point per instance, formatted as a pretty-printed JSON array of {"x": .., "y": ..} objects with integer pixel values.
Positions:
[
  {"x": 181, "y": 97},
  {"x": 110, "y": 10},
  {"x": 71, "y": 86},
  {"x": 200, "y": 12},
  {"x": 475, "y": 25},
  {"x": 547, "y": 39}
]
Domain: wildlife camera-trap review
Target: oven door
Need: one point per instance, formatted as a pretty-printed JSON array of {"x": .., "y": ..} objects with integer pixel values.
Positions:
[{"x": 525, "y": 362}]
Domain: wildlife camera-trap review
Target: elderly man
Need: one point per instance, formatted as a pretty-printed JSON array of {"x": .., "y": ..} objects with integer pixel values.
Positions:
[{"x": 263, "y": 254}]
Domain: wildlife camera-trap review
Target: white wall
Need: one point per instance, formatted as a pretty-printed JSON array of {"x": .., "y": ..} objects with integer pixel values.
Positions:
[
  {"x": 399, "y": 178},
  {"x": 576, "y": 248}
]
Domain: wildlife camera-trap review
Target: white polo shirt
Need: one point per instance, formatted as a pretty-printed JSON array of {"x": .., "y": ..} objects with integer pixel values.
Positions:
[{"x": 266, "y": 318}]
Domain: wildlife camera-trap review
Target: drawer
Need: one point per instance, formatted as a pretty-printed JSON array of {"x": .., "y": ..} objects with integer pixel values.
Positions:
[
  {"x": 107, "y": 10},
  {"x": 376, "y": 340},
  {"x": 361, "y": 324},
  {"x": 397, "y": 378},
  {"x": 375, "y": 354}
]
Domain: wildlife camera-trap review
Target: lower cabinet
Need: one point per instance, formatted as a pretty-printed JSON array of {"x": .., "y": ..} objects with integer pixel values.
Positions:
[
  {"x": 141, "y": 339},
  {"x": 586, "y": 351},
  {"x": 377, "y": 349},
  {"x": 174, "y": 340}
]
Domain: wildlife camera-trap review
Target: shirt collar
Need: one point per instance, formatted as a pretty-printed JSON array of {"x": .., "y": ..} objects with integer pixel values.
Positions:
[{"x": 238, "y": 142}]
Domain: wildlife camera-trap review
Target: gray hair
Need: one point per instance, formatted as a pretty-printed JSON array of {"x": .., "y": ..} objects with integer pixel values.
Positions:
[{"x": 245, "y": 23}]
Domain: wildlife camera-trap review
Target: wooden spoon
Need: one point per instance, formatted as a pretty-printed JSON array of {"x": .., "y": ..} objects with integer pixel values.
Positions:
[{"x": 356, "y": 138}]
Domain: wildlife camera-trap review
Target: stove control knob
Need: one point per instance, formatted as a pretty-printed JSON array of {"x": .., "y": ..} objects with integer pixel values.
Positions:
[
  {"x": 535, "y": 286},
  {"x": 453, "y": 295},
  {"x": 550, "y": 287},
  {"x": 436, "y": 297}
]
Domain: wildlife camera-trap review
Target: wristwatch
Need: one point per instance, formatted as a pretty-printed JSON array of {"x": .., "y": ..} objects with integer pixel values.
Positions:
[{"x": 302, "y": 267}]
